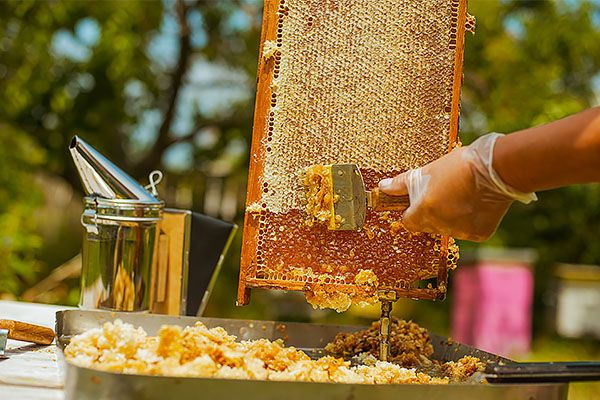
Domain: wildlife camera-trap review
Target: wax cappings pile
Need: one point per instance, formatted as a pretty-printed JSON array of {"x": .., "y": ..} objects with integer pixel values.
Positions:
[{"x": 197, "y": 351}]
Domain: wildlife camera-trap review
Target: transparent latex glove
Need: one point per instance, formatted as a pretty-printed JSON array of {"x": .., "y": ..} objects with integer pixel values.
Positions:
[{"x": 459, "y": 194}]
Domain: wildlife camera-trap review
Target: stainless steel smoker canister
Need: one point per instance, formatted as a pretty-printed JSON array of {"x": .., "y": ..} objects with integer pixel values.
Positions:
[
  {"x": 119, "y": 253},
  {"x": 121, "y": 234}
]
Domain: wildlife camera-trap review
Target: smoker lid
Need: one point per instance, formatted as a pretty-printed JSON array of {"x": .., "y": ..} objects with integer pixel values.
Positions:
[{"x": 102, "y": 178}]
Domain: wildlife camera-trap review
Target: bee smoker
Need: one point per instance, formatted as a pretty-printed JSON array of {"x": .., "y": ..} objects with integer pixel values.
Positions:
[
  {"x": 138, "y": 255},
  {"x": 121, "y": 238}
]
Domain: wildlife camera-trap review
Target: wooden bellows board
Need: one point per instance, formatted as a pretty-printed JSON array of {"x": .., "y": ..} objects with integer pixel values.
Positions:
[{"x": 372, "y": 83}]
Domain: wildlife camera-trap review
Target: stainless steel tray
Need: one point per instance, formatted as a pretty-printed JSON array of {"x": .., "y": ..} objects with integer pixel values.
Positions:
[{"x": 84, "y": 383}]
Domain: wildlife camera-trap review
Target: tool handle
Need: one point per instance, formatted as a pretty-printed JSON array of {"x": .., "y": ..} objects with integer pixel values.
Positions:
[
  {"x": 545, "y": 372},
  {"x": 27, "y": 332},
  {"x": 380, "y": 201}
]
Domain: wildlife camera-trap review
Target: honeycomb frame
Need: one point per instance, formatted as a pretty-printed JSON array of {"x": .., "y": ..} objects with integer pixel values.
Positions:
[{"x": 252, "y": 271}]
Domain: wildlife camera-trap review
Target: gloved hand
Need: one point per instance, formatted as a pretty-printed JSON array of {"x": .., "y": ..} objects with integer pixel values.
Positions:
[{"x": 459, "y": 194}]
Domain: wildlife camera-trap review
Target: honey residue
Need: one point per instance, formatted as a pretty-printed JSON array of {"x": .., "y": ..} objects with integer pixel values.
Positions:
[
  {"x": 319, "y": 196},
  {"x": 365, "y": 277},
  {"x": 396, "y": 227},
  {"x": 253, "y": 208},
  {"x": 384, "y": 215},
  {"x": 324, "y": 295},
  {"x": 270, "y": 49}
]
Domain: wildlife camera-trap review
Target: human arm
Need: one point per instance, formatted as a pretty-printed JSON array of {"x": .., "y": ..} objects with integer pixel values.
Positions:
[
  {"x": 466, "y": 193},
  {"x": 561, "y": 153}
]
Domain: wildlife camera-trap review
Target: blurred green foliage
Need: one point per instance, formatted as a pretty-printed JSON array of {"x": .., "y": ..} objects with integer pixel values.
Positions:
[
  {"x": 19, "y": 199},
  {"x": 529, "y": 62},
  {"x": 98, "y": 69},
  {"x": 532, "y": 62}
]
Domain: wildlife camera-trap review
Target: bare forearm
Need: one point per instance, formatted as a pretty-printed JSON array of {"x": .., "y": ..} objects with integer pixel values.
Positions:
[{"x": 560, "y": 153}]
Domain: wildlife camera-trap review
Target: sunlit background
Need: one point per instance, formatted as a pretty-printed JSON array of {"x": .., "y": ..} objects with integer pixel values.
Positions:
[{"x": 170, "y": 86}]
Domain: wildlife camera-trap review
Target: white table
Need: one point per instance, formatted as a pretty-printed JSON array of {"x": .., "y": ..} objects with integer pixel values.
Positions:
[{"x": 30, "y": 371}]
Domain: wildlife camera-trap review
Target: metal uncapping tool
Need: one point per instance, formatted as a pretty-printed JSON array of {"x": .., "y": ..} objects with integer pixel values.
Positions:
[{"x": 352, "y": 198}]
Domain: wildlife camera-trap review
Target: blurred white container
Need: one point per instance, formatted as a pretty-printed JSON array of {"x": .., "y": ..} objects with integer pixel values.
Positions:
[{"x": 578, "y": 300}]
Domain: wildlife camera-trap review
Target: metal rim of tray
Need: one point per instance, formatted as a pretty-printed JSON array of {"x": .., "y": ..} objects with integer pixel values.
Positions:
[{"x": 86, "y": 383}]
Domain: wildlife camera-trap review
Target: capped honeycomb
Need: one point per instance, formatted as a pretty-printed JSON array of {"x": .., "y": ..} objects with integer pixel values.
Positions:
[{"x": 372, "y": 83}]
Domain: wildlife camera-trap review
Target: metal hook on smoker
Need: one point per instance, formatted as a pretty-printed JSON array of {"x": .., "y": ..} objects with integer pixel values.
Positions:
[
  {"x": 154, "y": 177},
  {"x": 90, "y": 228}
]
